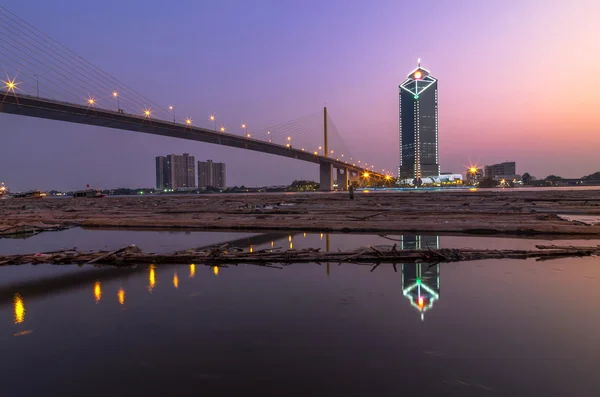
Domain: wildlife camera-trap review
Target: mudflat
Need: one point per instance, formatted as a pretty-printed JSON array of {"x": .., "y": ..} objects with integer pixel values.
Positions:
[{"x": 511, "y": 211}]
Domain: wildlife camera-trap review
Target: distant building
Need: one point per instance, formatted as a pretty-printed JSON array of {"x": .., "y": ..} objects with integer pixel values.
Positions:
[
  {"x": 211, "y": 174},
  {"x": 418, "y": 107},
  {"x": 506, "y": 170},
  {"x": 163, "y": 173},
  {"x": 175, "y": 172}
]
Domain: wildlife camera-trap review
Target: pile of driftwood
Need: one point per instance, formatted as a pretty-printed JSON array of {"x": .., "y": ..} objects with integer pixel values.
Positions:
[
  {"x": 27, "y": 230},
  {"x": 132, "y": 255}
]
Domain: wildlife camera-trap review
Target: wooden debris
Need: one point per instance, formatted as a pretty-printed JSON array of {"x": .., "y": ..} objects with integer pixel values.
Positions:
[{"x": 132, "y": 255}]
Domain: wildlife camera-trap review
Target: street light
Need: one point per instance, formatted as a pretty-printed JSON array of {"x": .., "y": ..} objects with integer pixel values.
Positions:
[
  {"x": 269, "y": 134},
  {"x": 222, "y": 129},
  {"x": 10, "y": 85},
  {"x": 188, "y": 121},
  {"x": 91, "y": 101},
  {"x": 115, "y": 94},
  {"x": 212, "y": 118},
  {"x": 147, "y": 113},
  {"x": 37, "y": 84},
  {"x": 245, "y": 127},
  {"x": 171, "y": 109}
]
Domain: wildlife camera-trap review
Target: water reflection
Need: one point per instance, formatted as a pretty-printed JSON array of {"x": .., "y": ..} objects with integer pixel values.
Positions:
[
  {"x": 97, "y": 291},
  {"x": 19, "y": 309},
  {"x": 421, "y": 282},
  {"x": 121, "y": 296},
  {"x": 151, "y": 278}
]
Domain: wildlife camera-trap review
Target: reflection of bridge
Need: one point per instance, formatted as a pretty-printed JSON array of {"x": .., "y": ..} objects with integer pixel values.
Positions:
[{"x": 76, "y": 91}]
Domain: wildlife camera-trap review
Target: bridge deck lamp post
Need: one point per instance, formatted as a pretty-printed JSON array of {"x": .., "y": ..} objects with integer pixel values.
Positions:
[
  {"x": 245, "y": 127},
  {"x": 269, "y": 134},
  {"x": 37, "y": 84},
  {"x": 222, "y": 129},
  {"x": 115, "y": 94},
  {"x": 188, "y": 121},
  {"x": 172, "y": 110},
  {"x": 212, "y": 118}
]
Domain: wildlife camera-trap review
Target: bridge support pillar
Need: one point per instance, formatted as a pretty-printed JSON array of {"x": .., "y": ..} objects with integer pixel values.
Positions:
[
  {"x": 326, "y": 177},
  {"x": 342, "y": 178}
]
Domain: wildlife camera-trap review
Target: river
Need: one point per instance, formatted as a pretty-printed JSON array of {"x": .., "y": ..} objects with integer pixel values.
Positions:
[{"x": 494, "y": 327}]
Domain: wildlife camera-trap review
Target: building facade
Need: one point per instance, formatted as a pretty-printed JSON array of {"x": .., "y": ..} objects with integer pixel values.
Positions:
[
  {"x": 506, "y": 170},
  {"x": 418, "y": 123},
  {"x": 175, "y": 172},
  {"x": 211, "y": 174},
  {"x": 163, "y": 173}
]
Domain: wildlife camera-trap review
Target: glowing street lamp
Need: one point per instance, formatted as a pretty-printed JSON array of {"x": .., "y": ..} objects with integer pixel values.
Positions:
[
  {"x": 147, "y": 113},
  {"x": 91, "y": 101},
  {"x": 269, "y": 134},
  {"x": 222, "y": 129},
  {"x": 115, "y": 95},
  {"x": 245, "y": 127},
  {"x": 188, "y": 121},
  {"x": 10, "y": 85}
]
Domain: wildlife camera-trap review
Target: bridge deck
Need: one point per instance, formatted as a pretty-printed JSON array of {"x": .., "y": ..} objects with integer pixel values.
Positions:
[{"x": 25, "y": 105}]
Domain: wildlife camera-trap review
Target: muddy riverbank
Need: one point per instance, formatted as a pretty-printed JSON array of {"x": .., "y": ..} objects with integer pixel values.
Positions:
[{"x": 474, "y": 212}]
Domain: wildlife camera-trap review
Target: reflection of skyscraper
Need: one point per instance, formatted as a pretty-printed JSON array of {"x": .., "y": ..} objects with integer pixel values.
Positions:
[
  {"x": 421, "y": 281},
  {"x": 418, "y": 125}
]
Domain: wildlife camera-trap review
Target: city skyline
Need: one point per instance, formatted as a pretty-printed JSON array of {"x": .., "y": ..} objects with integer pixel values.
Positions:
[{"x": 267, "y": 73}]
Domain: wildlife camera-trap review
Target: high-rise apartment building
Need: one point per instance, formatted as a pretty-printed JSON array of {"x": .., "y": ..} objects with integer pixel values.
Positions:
[
  {"x": 418, "y": 106},
  {"x": 163, "y": 173},
  {"x": 211, "y": 174},
  {"x": 175, "y": 172}
]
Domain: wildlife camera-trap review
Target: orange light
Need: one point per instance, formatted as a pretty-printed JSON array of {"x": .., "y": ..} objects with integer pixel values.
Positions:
[
  {"x": 418, "y": 75},
  {"x": 175, "y": 281},
  {"x": 366, "y": 174},
  {"x": 97, "y": 291},
  {"x": 91, "y": 101},
  {"x": 192, "y": 270},
  {"x": 121, "y": 296},
  {"x": 19, "y": 309},
  {"x": 222, "y": 129},
  {"x": 216, "y": 270},
  {"x": 421, "y": 302},
  {"x": 188, "y": 121},
  {"x": 147, "y": 113}
]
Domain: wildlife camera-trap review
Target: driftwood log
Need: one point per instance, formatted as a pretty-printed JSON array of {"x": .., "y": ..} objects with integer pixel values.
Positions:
[{"x": 132, "y": 255}]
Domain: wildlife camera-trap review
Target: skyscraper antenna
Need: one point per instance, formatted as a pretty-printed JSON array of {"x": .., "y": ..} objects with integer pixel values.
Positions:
[{"x": 419, "y": 62}]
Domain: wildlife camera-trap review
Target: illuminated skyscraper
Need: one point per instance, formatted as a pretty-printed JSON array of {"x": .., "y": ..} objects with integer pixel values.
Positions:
[{"x": 419, "y": 125}]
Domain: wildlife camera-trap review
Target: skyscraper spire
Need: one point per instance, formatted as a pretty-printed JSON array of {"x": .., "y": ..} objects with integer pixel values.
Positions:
[{"x": 419, "y": 62}]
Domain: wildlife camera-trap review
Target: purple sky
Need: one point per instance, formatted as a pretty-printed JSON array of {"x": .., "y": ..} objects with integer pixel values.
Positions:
[{"x": 516, "y": 82}]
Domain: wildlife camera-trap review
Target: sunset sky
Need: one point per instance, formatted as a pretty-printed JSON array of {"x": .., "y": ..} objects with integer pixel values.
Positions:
[{"x": 517, "y": 82}]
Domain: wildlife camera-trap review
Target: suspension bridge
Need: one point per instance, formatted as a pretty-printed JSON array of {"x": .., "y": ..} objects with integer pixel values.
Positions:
[{"x": 44, "y": 79}]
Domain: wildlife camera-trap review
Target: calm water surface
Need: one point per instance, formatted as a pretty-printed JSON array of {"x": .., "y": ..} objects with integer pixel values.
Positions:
[{"x": 497, "y": 328}]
